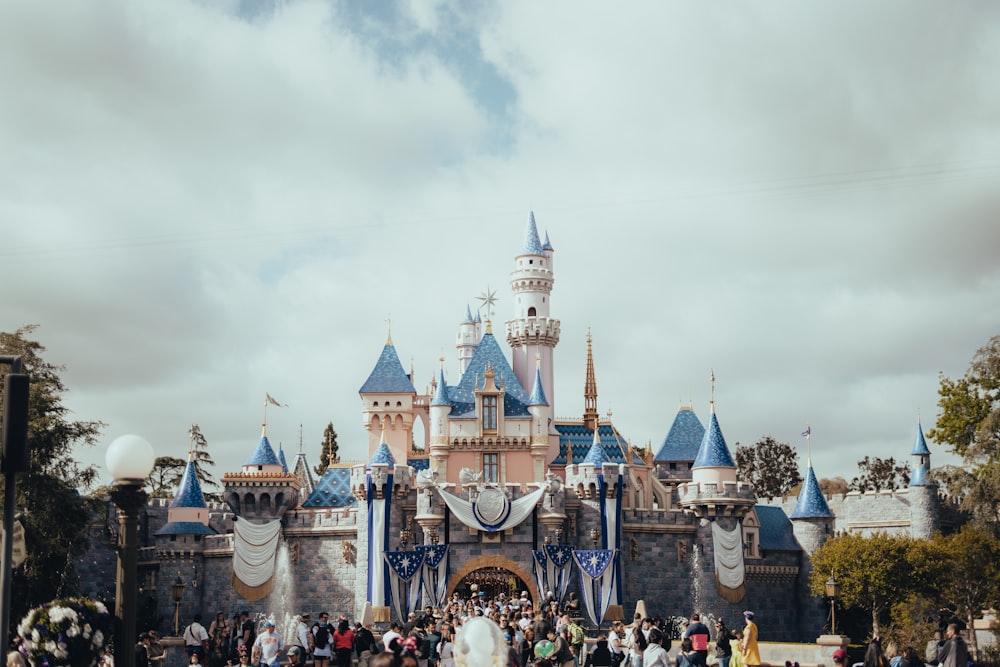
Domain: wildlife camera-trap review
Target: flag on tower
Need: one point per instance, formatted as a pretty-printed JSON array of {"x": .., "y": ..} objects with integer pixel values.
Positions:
[
  {"x": 806, "y": 433},
  {"x": 272, "y": 401}
]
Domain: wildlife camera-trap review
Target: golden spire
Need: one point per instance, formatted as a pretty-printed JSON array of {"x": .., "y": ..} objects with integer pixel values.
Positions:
[
  {"x": 590, "y": 389},
  {"x": 388, "y": 329}
]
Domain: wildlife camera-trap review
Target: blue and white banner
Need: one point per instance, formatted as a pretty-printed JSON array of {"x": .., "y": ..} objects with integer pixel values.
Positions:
[
  {"x": 378, "y": 540},
  {"x": 540, "y": 568},
  {"x": 560, "y": 562},
  {"x": 598, "y": 572},
  {"x": 611, "y": 532},
  {"x": 404, "y": 581},
  {"x": 435, "y": 574}
]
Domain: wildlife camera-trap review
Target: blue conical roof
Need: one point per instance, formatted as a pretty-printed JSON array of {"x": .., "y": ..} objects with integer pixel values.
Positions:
[
  {"x": 263, "y": 455},
  {"x": 382, "y": 456},
  {"x": 596, "y": 456},
  {"x": 441, "y": 391},
  {"x": 547, "y": 245},
  {"x": 532, "y": 246},
  {"x": 189, "y": 490},
  {"x": 713, "y": 452},
  {"x": 281, "y": 458},
  {"x": 537, "y": 392},
  {"x": 489, "y": 354},
  {"x": 811, "y": 503},
  {"x": 388, "y": 376},
  {"x": 920, "y": 445},
  {"x": 468, "y": 315},
  {"x": 684, "y": 438}
]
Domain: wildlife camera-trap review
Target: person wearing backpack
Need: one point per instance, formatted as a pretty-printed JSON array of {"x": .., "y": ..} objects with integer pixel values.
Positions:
[
  {"x": 365, "y": 644},
  {"x": 321, "y": 641},
  {"x": 576, "y": 639}
]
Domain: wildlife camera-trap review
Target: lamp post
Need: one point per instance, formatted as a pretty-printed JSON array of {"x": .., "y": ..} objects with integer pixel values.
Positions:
[
  {"x": 177, "y": 590},
  {"x": 130, "y": 460},
  {"x": 832, "y": 592}
]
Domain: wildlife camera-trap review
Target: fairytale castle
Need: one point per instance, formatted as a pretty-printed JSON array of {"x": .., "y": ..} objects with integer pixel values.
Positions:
[{"x": 498, "y": 495}]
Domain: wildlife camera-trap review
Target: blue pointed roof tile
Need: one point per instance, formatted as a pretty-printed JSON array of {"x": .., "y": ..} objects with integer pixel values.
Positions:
[
  {"x": 532, "y": 246},
  {"x": 920, "y": 445},
  {"x": 185, "y": 528},
  {"x": 547, "y": 245},
  {"x": 577, "y": 439},
  {"x": 811, "y": 503},
  {"x": 713, "y": 452},
  {"x": 189, "y": 492},
  {"x": 537, "y": 392},
  {"x": 684, "y": 438},
  {"x": 441, "y": 391},
  {"x": 468, "y": 315},
  {"x": 382, "y": 456},
  {"x": 596, "y": 456},
  {"x": 388, "y": 376},
  {"x": 488, "y": 353},
  {"x": 263, "y": 455},
  {"x": 776, "y": 532},
  {"x": 281, "y": 458}
]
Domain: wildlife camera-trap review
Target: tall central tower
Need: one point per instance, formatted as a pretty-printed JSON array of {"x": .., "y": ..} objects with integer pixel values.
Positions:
[{"x": 532, "y": 334}]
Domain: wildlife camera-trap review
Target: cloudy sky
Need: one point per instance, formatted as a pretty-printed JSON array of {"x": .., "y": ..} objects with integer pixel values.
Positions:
[{"x": 202, "y": 202}]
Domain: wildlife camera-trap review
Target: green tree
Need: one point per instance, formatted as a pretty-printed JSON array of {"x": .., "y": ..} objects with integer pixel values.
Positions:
[
  {"x": 877, "y": 474},
  {"x": 968, "y": 424},
  {"x": 166, "y": 475},
  {"x": 55, "y": 516},
  {"x": 771, "y": 466},
  {"x": 969, "y": 575},
  {"x": 833, "y": 485},
  {"x": 329, "y": 452},
  {"x": 874, "y": 572},
  {"x": 202, "y": 461}
]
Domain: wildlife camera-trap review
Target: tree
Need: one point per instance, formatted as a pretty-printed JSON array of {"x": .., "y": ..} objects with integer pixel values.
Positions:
[
  {"x": 873, "y": 572},
  {"x": 202, "y": 459},
  {"x": 329, "y": 452},
  {"x": 771, "y": 466},
  {"x": 977, "y": 491},
  {"x": 166, "y": 475},
  {"x": 55, "y": 516},
  {"x": 970, "y": 575},
  {"x": 969, "y": 425},
  {"x": 833, "y": 485},
  {"x": 877, "y": 474}
]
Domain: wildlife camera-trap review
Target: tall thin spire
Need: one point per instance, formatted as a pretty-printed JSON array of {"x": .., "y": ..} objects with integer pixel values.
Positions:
[
  {"x": 590, "y": 389},
  {"x": 711, "y": 381},
  {"x": 388, "y": 329}
]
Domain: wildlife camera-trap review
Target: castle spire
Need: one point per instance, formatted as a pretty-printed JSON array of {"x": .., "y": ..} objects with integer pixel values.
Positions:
[{"x": 590, "y": 389}]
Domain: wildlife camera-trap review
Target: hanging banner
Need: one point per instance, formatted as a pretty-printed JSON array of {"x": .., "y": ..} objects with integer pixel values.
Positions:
[
  {"x": 378, "y": 540},
  {"x": 434, "y": 574},
  {"x": 491, "y": 511},
  {"x": 559, "y": 563},
  {"x": 729, "y": 577},
  {"x": 597, "y": 580},
  {"x": 540, "y": 567},
  {"x": 611, "y": 532},
  {"x": 404, "y": 581},
  {"x": 255, "y": 547}
]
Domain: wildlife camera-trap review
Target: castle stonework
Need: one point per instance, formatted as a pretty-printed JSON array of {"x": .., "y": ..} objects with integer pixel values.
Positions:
[{"x": 686, "y": 534}]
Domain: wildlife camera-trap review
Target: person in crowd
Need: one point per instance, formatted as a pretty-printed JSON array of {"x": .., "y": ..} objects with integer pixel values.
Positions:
[
  {"x": 911, "y": 658},
  {"x": 698, "y": 633},
  {"x": 365, "y": 644},
  {"x": 248, "y": 630},
  {"x": 874, "y": 656},
  {"x": 196, "y": 637},
  {"x": 840, "y": 658},
  {"x": 934, "y": 648},
  {"x": 296, "y": 656},
  {"x": 562, "y": 654},
  {"x": 892, "y": 654},
  {"x": 155, "y": 651},
  {"x": 601, "y": 655},
  {"x": 394, "y": 633},
  {"x": 343, "y": 643},
  {"x": 322, "y": 641},
  {"x": 749, "y": 650},
  {"x": 616, "y": 643},
  {"x": 954, "y": 653},
  {"x": 636, "y": 642},
  {"x": 218, "y": 636},
  {"x": 304, "y": 636},
  {"x": 723, "y": 647},
  {"x": 268, "y": 646},
  {"x": 655, "y": 654},
  {"x": 141, "y": 654},
  {"x": 194, "y": 659},
  {"x": 446, "y": 648},
  {"x": 386, "y": 659}
]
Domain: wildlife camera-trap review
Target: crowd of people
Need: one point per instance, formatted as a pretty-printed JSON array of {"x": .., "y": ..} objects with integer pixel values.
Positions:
[{"x": 548, "y": 634}]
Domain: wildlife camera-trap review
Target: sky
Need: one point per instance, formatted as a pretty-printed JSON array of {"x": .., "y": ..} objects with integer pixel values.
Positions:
[{"x": 205, "y": 202}]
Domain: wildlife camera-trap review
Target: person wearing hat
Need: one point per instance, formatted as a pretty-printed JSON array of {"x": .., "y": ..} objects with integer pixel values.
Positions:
[
  {"x": 748, "y": 645},
  {"x": 840, "y": 658},
  {"x": 268, "y": 646},
  {"x": 296, "y": 656},
  {"x": 304, "y": 636}
]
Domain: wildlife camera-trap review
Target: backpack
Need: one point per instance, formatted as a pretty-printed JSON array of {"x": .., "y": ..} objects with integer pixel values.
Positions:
[
  {"x": 576, "y": 633},
  {"x": 322, "y": 636}
]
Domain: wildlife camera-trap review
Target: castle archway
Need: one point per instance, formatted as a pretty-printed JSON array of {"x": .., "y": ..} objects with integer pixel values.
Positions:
[{"x": 492, "y": 575}]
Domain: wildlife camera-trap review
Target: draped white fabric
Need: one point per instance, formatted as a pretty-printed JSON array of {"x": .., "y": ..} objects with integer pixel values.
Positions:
[
  {"x": 611, "y": 530},
  {"x": 255, "y": 547},
  {"x": 728, "y": 555},
  {"x": 520, "y": 509}
]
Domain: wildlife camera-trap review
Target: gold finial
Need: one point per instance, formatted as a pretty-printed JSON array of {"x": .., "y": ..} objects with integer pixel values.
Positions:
[{"x": 489, "y": 326}]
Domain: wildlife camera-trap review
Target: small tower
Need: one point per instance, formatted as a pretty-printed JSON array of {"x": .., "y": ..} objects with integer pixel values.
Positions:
[
  {"x": 467, "y": 340},
  {"x": 537, "y": 406},
  {"x": 925, "y": 505},
  {"x": 263, "y": 490},
  {"x": 532, "y": 333},
  {"x": 921, "y": 459},
  {"x": 387, "y": 398},
  {"x": 812, "y": 520},
  {"x": 187, "y": 515},
  {"x": 590, "y": 390},
  {"x": 440, "y": 408}
]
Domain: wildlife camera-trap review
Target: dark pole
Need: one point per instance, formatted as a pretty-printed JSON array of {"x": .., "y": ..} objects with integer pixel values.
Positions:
[
  {"x": 129, "y": 497},
  {"x": 15, "y": 460}
]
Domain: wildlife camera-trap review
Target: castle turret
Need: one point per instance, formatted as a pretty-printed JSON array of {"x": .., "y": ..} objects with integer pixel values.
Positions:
[
  {"x": 187, "y": 515},
  {"x": 538, "y": 407},
  {"x": 263, "y": 490},
  {"x": 387, "y": 398},
  {"x": 467, "y": 339},
  {"x": 713, "y": 489},
  {"x": 921, "y": 459},
  {"x": 925, "y": 506},
  {"x": 439, "y": 410},
  {"x": 812, "y": 520},
  {"x": 532, "y": 333},
  {"x": 590, "y": 389}
]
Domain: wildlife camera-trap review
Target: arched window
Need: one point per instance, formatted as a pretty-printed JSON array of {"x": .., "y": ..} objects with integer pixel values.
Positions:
[{"x": 531, "y": 312}]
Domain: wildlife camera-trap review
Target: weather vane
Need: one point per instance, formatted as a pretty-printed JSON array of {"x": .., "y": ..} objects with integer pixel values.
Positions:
[{"x": 489, "y": 299}]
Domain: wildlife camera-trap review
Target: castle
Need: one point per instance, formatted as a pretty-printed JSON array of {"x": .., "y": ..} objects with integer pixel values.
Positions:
[{"x": 502, "y": 496}]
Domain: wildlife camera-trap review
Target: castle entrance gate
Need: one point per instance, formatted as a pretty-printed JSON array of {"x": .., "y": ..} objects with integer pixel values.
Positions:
[{"x": 492, "y": 575}]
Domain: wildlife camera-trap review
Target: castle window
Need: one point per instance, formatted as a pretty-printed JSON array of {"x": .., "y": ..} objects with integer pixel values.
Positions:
[
  {"x": 489, "y": 413},
  {"x": 491, "y": 467},
  {"x": 531, "y": 312},
  {"x": 751, "y": 545}
]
